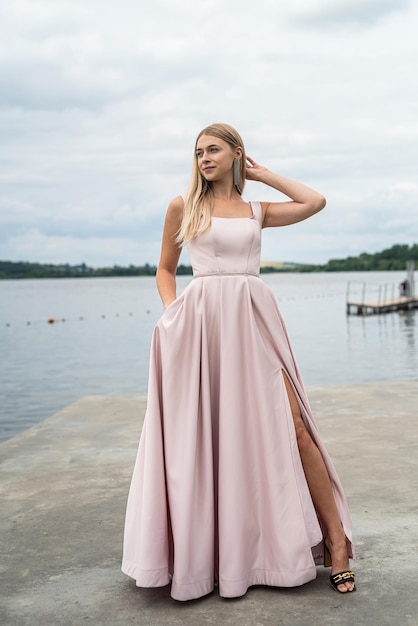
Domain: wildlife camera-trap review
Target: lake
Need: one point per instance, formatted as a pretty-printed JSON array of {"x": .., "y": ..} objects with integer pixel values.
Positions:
[{"x": 101, "y": 342}]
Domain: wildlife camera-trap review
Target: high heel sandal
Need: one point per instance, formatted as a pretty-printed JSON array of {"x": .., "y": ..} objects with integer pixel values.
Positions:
[{"x": 341, "y": 577}]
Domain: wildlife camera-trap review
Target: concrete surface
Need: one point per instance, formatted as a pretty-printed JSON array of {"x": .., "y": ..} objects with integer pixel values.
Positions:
[{"x": 63, "y": 492}]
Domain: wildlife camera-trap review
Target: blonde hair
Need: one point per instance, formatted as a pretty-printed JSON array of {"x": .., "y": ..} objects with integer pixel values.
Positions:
[{"x": 198, "y": 204}]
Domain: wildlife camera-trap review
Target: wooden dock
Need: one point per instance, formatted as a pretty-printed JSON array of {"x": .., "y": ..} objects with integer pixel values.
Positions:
[
  {"x": 386, "y": 306},
  {"x": 377, "y": 299}
]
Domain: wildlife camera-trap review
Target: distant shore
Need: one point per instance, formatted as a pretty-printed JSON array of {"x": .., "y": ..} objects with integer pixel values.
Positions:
[{"x": 391, "y": 259}]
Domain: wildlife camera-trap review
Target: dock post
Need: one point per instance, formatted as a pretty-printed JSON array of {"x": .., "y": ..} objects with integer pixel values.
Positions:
[
  {"x": 410, "y": 266},
  {"x": 347, "y": 298}
]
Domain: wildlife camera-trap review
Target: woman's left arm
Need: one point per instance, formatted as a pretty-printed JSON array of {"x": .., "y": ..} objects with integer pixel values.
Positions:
[{"x": 304, "y": 200}]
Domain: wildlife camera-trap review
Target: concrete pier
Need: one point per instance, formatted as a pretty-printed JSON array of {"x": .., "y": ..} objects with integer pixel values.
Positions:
[{"x": 63, "y": 489}]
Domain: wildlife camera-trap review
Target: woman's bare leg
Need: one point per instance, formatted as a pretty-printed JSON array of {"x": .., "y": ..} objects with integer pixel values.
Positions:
[{"x": 320, "y": 488}]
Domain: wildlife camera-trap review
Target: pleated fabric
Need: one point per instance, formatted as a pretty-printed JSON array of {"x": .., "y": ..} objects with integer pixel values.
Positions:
[{"x": 218, "y": 490}]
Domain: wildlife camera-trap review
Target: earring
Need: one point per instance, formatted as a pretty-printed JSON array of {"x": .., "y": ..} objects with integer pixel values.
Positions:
[{"x": 237, "y": 173}]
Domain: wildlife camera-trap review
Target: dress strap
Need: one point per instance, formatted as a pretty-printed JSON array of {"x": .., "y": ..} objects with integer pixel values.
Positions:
[{"x": 257, "y": 211}]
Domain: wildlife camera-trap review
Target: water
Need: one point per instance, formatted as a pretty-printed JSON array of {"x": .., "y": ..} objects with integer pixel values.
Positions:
[{"x": 102, "y": 347}]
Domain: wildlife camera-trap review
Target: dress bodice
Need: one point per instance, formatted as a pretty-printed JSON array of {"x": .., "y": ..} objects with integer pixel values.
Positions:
[{"x": 229, "y": 245}]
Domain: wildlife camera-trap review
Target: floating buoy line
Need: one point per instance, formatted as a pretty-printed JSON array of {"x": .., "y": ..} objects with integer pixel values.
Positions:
[{"x": 57, "y": 320}]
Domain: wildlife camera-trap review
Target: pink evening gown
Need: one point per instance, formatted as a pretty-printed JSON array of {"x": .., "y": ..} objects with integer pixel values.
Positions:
[{"x": 218, "y": 491}]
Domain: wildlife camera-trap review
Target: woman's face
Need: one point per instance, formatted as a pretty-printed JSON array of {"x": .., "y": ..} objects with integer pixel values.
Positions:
[{"x": 215, "y": 157}]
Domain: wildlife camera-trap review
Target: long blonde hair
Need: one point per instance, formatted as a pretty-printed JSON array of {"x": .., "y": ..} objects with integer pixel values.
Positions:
[{"x": 198, "y": 204}]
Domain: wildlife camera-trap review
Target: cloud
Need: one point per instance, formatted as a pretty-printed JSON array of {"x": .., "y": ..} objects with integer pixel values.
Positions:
[
  {"x": 34, "y": 245},
  {"x": 328, "y": 13},
  {"x": 100, "y": 105}
]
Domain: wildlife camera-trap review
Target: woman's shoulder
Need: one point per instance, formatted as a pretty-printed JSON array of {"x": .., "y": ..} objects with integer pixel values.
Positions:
[
  {"x": 178, "y": 201},
  {"x": 176, "y": 206}
]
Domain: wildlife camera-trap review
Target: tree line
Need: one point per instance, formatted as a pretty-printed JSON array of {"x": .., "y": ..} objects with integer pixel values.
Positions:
[{"x": 391, "y": 259}]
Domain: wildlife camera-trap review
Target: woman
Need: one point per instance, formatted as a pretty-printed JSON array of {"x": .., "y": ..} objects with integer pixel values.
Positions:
[{"x": 232, "y": 484}]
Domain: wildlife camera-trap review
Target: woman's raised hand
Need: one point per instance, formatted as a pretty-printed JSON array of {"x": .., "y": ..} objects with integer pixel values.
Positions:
[{"x": 254, "y": 170}]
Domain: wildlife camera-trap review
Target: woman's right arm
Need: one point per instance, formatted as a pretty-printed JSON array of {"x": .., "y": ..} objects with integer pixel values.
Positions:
[{"x": 170, "y": 252}]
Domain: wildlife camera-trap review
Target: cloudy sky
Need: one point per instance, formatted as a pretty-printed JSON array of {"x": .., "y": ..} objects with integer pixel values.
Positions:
[{"x": 101, "y": 103}]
